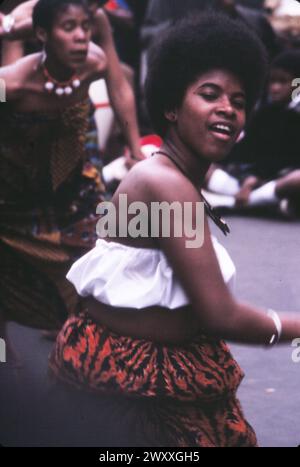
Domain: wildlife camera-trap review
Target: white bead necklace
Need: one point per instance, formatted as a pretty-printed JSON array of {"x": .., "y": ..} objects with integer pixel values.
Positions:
[{"x": 60, "y": 88}]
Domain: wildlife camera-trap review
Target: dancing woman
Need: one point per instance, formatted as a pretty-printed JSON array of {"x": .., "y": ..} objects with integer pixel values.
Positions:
[{"x": 157, "y": 312}]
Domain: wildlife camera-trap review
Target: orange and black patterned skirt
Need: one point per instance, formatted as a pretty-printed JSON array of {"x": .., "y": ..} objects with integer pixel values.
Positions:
[{"x": 178, "y": 396}]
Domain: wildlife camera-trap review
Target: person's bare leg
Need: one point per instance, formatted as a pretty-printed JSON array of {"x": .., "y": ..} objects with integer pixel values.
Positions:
[
  {"x": 273, "y": 192},
  {"x": 289, "y": 186}
]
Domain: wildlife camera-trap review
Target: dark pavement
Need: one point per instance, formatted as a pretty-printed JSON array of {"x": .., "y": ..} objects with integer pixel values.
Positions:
[{"x": 267, "y": 254}]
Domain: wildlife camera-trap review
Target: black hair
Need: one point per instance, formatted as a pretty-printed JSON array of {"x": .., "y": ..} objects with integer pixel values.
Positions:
[
  {"x": 45, "y": 11},
  {"x": 288, "y": 61},
  {"x": 194, "y": 46}
]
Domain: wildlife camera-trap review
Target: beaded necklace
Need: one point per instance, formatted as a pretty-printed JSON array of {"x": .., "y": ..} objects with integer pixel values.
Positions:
[{"x": 60, "y": 88}]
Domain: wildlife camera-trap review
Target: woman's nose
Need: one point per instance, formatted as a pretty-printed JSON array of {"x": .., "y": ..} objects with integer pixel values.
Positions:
[
  {"x": 81, "y": 34},
  {"x": 226, "y": 108}
]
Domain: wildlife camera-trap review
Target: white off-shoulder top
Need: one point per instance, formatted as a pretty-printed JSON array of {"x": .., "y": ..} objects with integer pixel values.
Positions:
[{"x": 129, "y": 277}]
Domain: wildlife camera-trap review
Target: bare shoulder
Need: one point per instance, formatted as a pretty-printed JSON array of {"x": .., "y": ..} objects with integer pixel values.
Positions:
[
  {"x": 160, "y": 181},
  {"x": 18, "y": 75}
]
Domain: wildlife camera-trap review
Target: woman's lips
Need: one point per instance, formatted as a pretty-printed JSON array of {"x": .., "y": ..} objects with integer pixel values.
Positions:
[
  {"x": 221, "y": 136},
  {"x": 222, "y": 131},
  {"x": 79, "y": 54}
]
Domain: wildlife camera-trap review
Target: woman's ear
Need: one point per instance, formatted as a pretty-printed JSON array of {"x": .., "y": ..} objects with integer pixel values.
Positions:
[
  {"x": 171, "y": 116},
  {"x": 41, "y": 34}
]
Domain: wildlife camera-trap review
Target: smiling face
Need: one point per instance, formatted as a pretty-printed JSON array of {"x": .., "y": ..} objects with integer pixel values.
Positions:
[
  {"x": 212, "y": 115},
  {"x": 69, "y": 38}
]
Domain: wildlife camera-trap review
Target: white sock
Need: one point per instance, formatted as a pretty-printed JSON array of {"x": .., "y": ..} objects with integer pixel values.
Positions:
[
  {"x": 219, "y": 201},
  {"x": 223, "y": 183},
  {"x": 266, "y": 194}
]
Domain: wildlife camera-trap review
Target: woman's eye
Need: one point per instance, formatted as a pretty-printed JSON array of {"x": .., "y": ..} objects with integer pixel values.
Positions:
[
  {"x": 68, "y": 26},
  {"x": 86, "y": 26},
  {"x": 209, "y": 97},
  {"x": 240, "y": 104}
]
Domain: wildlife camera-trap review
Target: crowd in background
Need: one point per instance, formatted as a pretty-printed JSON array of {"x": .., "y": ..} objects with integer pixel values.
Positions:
[{"x": 268, "y": 149}]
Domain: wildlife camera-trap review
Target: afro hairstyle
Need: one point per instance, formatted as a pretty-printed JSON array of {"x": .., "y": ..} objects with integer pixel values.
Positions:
[
  {"x": 46, "y": 11},
  {"x": 194, "y": 46}
]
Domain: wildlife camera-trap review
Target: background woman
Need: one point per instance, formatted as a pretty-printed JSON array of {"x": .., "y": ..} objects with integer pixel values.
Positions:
[{"x": 47, "y": 205}]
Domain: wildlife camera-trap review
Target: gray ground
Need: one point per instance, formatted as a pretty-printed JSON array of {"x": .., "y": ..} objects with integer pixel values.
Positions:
[{"x": 267, "y": 256}]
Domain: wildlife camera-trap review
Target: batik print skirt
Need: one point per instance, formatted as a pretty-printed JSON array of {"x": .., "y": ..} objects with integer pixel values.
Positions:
[{"x": 178, "y": 396}]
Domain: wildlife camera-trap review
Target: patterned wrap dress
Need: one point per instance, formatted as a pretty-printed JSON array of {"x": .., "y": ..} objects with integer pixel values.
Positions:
[{"x": 48, "y": 198}]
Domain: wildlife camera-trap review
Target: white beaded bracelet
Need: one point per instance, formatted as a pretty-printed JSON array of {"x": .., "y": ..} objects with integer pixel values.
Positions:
[
  {"x": 8, "y": 23},
  {"x": 278, "y": 325}
]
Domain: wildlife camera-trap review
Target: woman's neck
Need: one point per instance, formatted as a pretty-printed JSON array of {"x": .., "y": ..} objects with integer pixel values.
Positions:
[
  {"x": 56, "y": 70},
  {"x": 189, "y": 163}
]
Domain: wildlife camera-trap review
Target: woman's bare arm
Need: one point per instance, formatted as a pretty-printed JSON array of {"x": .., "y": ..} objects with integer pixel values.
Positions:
[
  {"x": 198, "y": 270},
  {"x": 120, "y": 92},
  {"x": 12, "y": 77},
  {"x": 214, "y": 311}
]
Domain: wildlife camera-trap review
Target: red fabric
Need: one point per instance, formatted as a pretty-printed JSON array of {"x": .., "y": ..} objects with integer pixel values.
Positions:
[{"x": 111, "y": 5}]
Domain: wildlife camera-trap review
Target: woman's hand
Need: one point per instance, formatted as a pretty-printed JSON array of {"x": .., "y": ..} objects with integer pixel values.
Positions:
[{"x": 22, "y": 16}]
